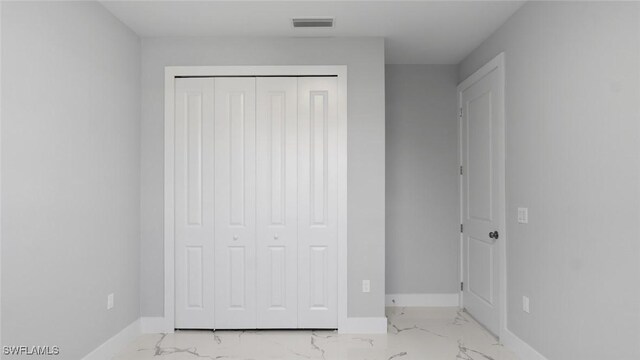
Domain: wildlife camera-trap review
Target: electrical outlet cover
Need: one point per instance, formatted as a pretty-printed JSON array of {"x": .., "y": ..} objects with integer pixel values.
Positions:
[{"x": 110, "y": 302}]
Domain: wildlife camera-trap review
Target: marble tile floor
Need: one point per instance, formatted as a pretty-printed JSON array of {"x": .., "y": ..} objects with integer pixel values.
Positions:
[{"x": 413, "y": 334}]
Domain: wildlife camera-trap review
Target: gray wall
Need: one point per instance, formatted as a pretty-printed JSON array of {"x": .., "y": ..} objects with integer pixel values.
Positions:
[
  {"x": 422, "y": 179},
  {"x": 366, "y": 146},
  {"x": 70, "y": 175},
  {"x": 573, "y": 158}
]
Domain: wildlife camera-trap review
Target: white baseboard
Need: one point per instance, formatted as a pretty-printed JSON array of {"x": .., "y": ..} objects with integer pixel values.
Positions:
[
  {"x": 364, "y": 325},
  {"x": 519, "y": 347},
  {"x": 116, "y": 343},
  {"x": 422, "y": 299},
  {"x": 154, "y": 325}
]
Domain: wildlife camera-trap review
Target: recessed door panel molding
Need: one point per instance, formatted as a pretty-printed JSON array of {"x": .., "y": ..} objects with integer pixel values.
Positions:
[
  {"x": 275, "y": 134},
  {"x": 317, "y": 202},
  {"x": 237, "y": 277},
  {"x": 237, "y": 163},
  {"x": 277, "y": 279},
  {"x": 482, "y": 183},
  {"x": 318, "y": 124},
  {"x": 277, "y": 202},
  {"x": 318, "y": 279},
  {"x": 479, "y": 155},
  {"x": 480, "y": 272},
  {"x": 195, "y": 298},
  {"x": 194, "y": 157},
  {"x": 194, "y": 198},
  {"x": 235, "y": 203}
]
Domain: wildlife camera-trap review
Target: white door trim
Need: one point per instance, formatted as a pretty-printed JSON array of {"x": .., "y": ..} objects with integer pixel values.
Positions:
[
  {"x": 1, "y": 343},
  {"x": 496, "y": 64},
  {"x": 171, "y": 72}
]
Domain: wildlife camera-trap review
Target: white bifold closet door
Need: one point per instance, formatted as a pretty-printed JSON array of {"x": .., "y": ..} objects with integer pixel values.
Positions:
[
  {"x": 194, "y": 202},
  {"x": 256, "y": 202},
  {"x": 317, "y": 203},
  {"x": 235, "y": 203},
  {"x": 277, "y": 209}
]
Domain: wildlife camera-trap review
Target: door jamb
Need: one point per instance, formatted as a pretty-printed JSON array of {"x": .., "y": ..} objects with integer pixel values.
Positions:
[
  {"x": 495, "y": 64},
  {"x": 171, "y": 72},
  {"x": 0, "y": 157}
]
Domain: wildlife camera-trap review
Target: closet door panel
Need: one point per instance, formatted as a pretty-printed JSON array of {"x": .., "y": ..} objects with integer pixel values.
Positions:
[
  {"x": 317, "y": 202},
  {"x": 194, "y": 198},
  {"x": 235, "y": 215},
  {"x": 277, "y": 202}
]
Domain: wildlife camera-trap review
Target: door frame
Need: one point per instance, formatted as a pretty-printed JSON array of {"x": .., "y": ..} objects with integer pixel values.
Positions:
[
  {"x": 171, "y": 72},
  {"x": 495, "y": 64}
]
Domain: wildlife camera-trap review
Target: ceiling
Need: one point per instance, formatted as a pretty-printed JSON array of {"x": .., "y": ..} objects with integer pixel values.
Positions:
[{"x": 415, "y": 32}]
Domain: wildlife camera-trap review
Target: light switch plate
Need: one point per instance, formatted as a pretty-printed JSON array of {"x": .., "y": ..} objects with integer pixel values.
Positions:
[
  {"x": 525, "y": 304},
  {"x": 523, "y": 215}
]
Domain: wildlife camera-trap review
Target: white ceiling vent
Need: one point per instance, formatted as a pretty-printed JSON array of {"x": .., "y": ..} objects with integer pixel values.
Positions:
[{"x": 312, "y": 23}]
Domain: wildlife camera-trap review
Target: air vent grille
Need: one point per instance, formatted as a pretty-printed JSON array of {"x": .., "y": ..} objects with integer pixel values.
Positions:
[{"x": 313, "y": 23}]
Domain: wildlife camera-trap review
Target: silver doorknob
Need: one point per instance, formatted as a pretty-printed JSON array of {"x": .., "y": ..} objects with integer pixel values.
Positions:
[
  {"x": 235, "y": 237},
  {"x": 275, "y": 236}
]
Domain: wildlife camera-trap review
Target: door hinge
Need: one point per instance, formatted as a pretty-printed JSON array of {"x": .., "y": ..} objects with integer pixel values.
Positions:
[
  {"x": 461, "y": 172},
  {"x": 461, "y": 228},
  {"x": 460, "y": 112},
  {"x": 461, "y": 286}
]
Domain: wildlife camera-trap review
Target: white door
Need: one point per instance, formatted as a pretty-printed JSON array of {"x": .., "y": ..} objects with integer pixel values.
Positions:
[
  {"x": 317, "y": 202},
  {"x": 235, "y": 203},
  {"x": 277, "y": 227},
  {"x": 482, "y": 196},
  {"x": 194, "y": 203},
  {"x": 256, "y": 202}
]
